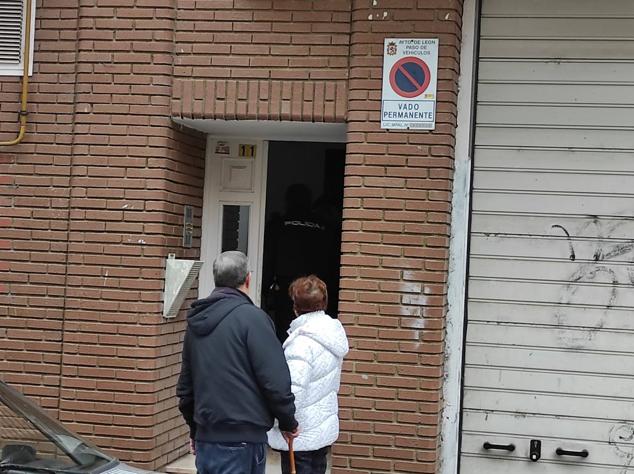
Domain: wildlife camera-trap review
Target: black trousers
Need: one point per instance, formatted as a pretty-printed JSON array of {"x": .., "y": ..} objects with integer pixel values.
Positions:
[{"x": 306, "y": 462}]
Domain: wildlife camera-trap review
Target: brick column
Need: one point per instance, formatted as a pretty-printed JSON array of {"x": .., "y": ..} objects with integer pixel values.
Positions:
[
  {"x": 395, "y": 250},
  {"x": 93, "y": 203},
  {"x": 132, "y": 172}
]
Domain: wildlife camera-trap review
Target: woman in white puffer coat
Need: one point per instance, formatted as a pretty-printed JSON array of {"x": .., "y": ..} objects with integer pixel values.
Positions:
[{"x": 314, "y": 351}]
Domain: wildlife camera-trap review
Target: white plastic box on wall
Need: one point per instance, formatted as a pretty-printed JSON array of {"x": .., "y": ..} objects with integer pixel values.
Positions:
[{"x": 179, "y": 278}]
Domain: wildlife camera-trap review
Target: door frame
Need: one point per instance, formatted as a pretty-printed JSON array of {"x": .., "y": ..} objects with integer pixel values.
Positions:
[
  {"x": 260, "y": 132},
  {"x": 456, "y": 324},
  {"x": 210, "y": 231}
]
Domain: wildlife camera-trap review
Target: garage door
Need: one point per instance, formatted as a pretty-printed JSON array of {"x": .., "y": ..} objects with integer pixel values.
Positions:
[{"x": 550, "y": 339}]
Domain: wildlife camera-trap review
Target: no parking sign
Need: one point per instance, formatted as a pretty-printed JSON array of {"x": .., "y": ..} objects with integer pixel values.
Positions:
[{"x": 409, "y": 83}]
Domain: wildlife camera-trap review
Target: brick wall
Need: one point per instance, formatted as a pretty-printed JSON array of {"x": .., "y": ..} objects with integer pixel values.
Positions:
[
  {"x": 395, "y": 250},
  {"x": 262, "y": 59},
  {"x": 132, "y": 174},
  {"x": 35, "y": 208},
  {"x": 95, "y": 199},
  {"x": 93, "y": 202},
  {"x": 184, "y": 186}
]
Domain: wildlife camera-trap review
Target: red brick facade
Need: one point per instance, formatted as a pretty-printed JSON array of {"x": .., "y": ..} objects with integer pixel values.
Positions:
[
  {"x": 93, "y": 203},
  {"x": 262, "y": 60},
  {"x": 395, "y": 251},
  {"x": 94, "y": 199}
]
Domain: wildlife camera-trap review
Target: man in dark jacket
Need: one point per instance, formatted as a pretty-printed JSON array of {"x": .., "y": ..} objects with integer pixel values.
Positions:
[{"x": 234, "y": 379}]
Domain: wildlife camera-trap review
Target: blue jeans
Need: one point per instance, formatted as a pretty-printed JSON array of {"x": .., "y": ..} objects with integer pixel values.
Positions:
[{"x": 230, "y": 458}]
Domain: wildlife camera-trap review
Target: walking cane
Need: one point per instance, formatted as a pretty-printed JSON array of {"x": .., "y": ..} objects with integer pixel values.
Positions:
[{"x": 291, "y": 456}]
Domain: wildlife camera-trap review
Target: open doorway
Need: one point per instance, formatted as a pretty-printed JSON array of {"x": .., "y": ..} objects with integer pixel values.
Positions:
[{"x": 302, "y": 234}]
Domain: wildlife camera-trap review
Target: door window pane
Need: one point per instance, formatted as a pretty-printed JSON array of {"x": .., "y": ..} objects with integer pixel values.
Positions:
[{"x": 235, "y": 227}]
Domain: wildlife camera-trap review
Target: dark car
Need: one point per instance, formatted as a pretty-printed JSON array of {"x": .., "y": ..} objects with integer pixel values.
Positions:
[{"x": 32, "y": 442}]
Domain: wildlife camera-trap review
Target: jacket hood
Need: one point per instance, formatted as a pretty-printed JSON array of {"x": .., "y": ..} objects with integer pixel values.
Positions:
[
  {"x": 205, "y": 314},
  {"x": 322, "y": 328}
]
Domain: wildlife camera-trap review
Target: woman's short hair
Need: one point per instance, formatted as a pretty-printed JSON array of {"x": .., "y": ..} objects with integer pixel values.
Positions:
[{"x": 309, "y": 294}]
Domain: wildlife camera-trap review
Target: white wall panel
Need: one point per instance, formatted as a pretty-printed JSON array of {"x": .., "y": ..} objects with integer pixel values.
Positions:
[
  {"x": 550, "y": 336},
  {"x": 554, "y": 72}
]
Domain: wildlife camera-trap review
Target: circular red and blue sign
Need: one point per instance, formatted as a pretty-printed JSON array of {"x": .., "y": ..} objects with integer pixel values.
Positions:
[{"x": 410, "y": 77}]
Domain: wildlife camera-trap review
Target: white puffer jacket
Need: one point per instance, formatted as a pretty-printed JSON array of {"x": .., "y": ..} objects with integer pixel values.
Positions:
[{"x": 314, "y": 351}]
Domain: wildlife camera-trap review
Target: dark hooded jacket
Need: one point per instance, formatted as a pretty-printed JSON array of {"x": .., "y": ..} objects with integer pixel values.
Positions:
[{"x": 234, "y": 379}]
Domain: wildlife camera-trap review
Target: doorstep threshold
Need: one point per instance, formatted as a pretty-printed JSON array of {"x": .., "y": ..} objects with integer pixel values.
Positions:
[{"x": 187, "y": 464}]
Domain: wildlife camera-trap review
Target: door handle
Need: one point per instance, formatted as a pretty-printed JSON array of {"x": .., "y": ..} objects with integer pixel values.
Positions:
[
  {"x": 504, "y": 447},
  {"x": 535, "y": 450},
  {"x": 564, "y": 452}
]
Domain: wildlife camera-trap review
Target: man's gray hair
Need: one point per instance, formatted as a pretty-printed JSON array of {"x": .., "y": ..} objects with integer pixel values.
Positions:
[{"x": 230, "y": 269}]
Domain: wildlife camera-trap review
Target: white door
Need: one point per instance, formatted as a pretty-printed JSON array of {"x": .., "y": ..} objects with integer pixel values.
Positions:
[
  {"x": 549, "y": 355},
  {"x": 233, "y": 209}
]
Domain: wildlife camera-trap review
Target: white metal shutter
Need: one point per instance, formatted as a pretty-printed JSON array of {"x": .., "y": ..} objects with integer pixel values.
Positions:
[
  {"x": 550, "y": 337},
  {"x": 11, "y": 30}
]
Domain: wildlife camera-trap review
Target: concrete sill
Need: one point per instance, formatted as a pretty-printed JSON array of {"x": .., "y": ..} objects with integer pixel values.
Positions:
[{"x": 187, "y": 465}]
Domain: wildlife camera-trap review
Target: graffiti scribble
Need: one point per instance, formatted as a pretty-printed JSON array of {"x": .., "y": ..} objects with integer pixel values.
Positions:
[
  {"x": 620, "y": 437},
  {"x": 572, "y": 249},
  {"x": 595, "y": 271}
]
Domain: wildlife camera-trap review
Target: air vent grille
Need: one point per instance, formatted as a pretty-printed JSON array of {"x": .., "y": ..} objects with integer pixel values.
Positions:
[{"x": 11, "y": 30}]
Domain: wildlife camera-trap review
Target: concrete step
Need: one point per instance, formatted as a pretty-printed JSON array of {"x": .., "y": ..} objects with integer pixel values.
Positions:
[
  {"x": 184, "y": 465},
  {"x": 187, "y": 464}
]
